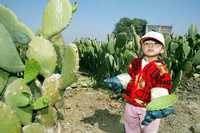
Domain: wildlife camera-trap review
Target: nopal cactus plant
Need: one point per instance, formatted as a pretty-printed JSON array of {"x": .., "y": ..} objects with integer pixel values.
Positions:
[
  {"x": 57, "y": 16},
  {"x": 18, "y": 95},
  {"x": 9, "y": 121},
  {"x": 182, "y": 55},
  {"x": 34, "y": 128},
  {"x": 35, "y": 68}
]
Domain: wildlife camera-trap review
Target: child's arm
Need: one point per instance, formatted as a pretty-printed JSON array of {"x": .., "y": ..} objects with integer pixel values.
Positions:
[{"x": 159, "y": 93}]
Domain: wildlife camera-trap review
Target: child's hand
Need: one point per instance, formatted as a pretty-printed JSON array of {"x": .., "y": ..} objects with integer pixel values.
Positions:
[
  {"x": 118, "y": 83},
  {"x": 152, "y": 115}
]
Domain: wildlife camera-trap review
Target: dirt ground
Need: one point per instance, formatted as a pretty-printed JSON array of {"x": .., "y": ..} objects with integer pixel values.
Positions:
[{"x": 86, "y": 109}]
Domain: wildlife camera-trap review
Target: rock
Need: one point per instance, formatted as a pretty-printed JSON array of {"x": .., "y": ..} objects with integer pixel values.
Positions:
[{"x": 195, "y": 128}]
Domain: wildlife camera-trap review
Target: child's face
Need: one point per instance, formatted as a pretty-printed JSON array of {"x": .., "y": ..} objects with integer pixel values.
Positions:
[{"x": 152, "y": 48}]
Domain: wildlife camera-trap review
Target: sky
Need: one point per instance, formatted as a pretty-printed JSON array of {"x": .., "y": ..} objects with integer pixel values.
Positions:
[{"x": 97, "y": 18}]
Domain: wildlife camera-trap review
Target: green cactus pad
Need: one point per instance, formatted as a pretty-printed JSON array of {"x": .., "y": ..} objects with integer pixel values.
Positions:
[
  {"x": 70, "y": 65},
  {"x": 18, "y": 30},
  {"x": 74, "y": 7},
  {"x": 21, "y": 38},
  {"x": 40, "y": 103},
  {"x": 59, "y": 45},
  {"x": 13, "y": 90},
  {"x": 162, "y": 102},
  {"x": 32, "y": 69},
  {"x": 35, "y": 87},
  {"x": 9, "y": 57},
  {"x": 192, "y": 30},
  {"x": 196, "y": 58},
  {"x": 47, "y": 116},
  {"x": 50, "y": 88},
  {"x": 34, "y": 128},
  {"x": 3, "y": 80},
  {"x": 57, "y": 16},
  {"x": 23, "y": 99},
  {"x": 44, "y": 53},
  {"x": 9, "y": 123},
  {"x": 11, "y": 79}
]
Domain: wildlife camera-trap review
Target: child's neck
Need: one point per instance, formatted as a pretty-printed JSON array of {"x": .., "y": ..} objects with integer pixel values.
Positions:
[{"x": 147, "y": 58}]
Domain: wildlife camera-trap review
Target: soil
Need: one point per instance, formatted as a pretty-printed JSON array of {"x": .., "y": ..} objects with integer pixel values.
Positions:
[{"x": 88, "y": 109}]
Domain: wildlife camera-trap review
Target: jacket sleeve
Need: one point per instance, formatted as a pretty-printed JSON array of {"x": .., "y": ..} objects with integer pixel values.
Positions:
[
  {"x": 134, "y": 67},
  {"x": 161, "y": 78}
]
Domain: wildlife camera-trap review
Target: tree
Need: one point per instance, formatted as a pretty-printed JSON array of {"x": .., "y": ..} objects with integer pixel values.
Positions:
[{"x": 124, "y": 25}]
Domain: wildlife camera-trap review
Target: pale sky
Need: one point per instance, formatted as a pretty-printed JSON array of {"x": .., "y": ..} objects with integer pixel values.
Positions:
[{"x": 97, "y": 18}]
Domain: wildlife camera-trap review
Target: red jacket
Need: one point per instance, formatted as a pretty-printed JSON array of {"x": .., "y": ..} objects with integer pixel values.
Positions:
[{"x": 154, "y": 74}]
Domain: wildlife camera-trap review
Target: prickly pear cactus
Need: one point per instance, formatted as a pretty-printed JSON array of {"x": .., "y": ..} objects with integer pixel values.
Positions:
[
  {"x": 50, "y": 89},
  {"x": 18, "y": 95},
  {"x": 47, "y": 116},
  {"x": 9, "y": 121},
  {"x": 59, "y": 45},
  {"x": 57, "y": 16},
  {"x": 70, "y": 65},
  {"x": 3, "y": 80},
  {"x": 18, "y": 30},
  {"x": 44, "y": 53},
  {"x": 34, "y": 128},
  {"x": 12, "y": 62},
  {"x": 162, "y": 102},
  {"x": 40, "y": 65}
]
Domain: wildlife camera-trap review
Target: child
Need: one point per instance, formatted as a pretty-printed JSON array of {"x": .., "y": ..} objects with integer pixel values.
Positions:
[{"x": 149, "y": 80}]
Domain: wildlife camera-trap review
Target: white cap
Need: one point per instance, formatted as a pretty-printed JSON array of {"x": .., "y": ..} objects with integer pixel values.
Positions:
[{"x": 153, "y": 35}]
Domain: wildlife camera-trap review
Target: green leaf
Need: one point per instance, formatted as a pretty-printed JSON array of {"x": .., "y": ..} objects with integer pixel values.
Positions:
[
  {"x": 111, "y": 60},
  {"x": 129, "y": 55},
  {"x": 173, "y": 47},
  {"x": 136, "y": 40},
  {"x": 196, "y": 75},
  {"x": 32, "y": 69},
  {"x": 192, "y": 31},
  {"x": 57, "y": 16},
  {"x": 177, "y": 78},
  {"x": 111, "y": 44},
  {"x": 121, "y": 40},
  {"x": 9, "y": 57},
  {"x": 196, "y": 58},
  {"x": 187, "y": 67},
  {"x": 162, "y": 102},
  {"x": 186, "y": 49}
]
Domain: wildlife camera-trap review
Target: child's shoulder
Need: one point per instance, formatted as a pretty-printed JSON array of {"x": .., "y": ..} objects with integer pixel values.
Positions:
[
  {"x": 160, "y": 64},
  {"x": 136, "y": 60}
]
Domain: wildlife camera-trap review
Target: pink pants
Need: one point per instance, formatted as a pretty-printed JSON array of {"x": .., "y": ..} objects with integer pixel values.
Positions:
[{"x": 133, "y": 117}]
